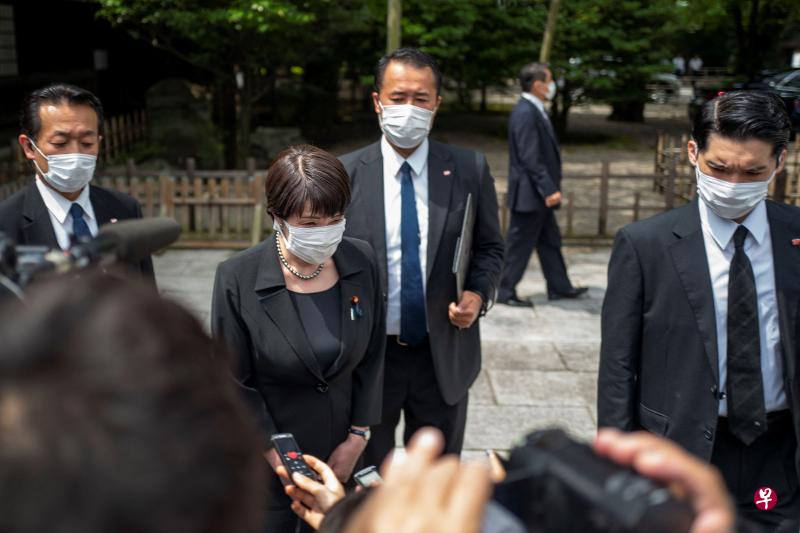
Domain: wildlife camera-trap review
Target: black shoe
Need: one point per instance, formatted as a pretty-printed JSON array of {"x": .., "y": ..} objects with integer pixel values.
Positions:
[
  {"x": 571, "y": 294},
  {"x": 516, "y": 302}
]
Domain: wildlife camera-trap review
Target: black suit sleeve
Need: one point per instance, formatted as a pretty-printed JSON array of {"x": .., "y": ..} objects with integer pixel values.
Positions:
[
  {"x": 367, "y": 395},
  {"x": 227, "y": 325},
  {"x": 487, "y": 241},
  {"x": 527, "y": 142},
  {"x": 620, "y": 352}
]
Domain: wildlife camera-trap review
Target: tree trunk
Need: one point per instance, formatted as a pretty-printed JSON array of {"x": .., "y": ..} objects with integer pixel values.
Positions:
[
  {"x": 627, "y": 111},
  {"x": 225, "y": 107},
  {"x": 484, "y": 105}
]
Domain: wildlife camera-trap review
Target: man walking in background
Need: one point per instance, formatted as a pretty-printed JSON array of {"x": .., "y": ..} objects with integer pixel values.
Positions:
[{"x": 534, "y": 192}]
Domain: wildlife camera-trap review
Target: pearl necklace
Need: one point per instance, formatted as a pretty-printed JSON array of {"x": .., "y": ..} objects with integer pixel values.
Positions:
[{"x": 291, "y": 269}]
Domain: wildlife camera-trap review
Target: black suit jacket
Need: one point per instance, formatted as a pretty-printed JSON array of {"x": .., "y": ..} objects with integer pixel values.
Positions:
[
  {"x": 273, "y": 362},
  {"x": 25, "y": 219},
  {"x": 534, "y": 159},
  {"x": 452, "y": 174},
  {"x": 658, "y": 361}
]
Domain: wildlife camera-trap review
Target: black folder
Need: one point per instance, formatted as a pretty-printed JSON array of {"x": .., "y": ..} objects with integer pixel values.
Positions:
[{"x": 463, "y": 253}]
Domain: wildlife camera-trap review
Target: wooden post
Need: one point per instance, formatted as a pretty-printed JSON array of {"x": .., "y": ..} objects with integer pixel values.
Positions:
[
  {"x": 115, "y": 136},
  {"x": 251, "y": 166},
  {"x": 394, "y": 18},
  {"x": 257, "y": 229},
  {"x": 165, "y": 196},
  {"x": 602, "y": 216},
  {"x": 130, "y": 169},
  {"x": 669, "y": 186},
  {"x": 549, "y": 31},
  {"x": 637, "y": 200}
]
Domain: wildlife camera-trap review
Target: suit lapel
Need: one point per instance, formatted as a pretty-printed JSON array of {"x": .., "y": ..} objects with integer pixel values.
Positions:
[
  {"x": 350, "y": 289},
  {"x": 37, "y": 228},
  {"x": 786, "y": 261},
  {"x": 441, "y": 173},
  {"x": 691, "y": 262},
  {"x": 547, "y": 125},
  {"x": 369, "y": 184},
  {"x": 277, "y": 304},
  {"x": 101, "y": 208}
]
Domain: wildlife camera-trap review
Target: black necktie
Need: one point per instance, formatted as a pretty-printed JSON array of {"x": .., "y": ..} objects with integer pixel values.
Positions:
[
  {"x": 413, "y": 328},
  {"x": 747, "y": 416}
]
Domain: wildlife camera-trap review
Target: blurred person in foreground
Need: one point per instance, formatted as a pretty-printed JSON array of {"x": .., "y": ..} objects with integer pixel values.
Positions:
[
  {"x": 700, "y": 325},
  {"x": 409, "y": 202},
  {"x": 426, "y": 493},
  {"x": 116, "y": 416},
  {"x": 303, "y": 314},
  {"x": 534, "y": 192},
  {"x": 61, "y": 132}
]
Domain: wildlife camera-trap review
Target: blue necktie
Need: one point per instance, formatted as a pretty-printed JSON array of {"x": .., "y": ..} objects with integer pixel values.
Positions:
[
  {"x": 79, "y": 226},
  {"x": 413, "y": 327}
]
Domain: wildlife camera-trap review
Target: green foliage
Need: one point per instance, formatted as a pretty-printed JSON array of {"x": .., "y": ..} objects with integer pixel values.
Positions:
[
  {"x": 748, "y": 32},
  {"x": 607, "y": 50}
]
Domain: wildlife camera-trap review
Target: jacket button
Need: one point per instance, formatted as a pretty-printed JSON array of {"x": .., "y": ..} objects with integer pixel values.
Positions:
[
  {"x": 708, "y": 434},
  {"x": 322, "y": 387}
]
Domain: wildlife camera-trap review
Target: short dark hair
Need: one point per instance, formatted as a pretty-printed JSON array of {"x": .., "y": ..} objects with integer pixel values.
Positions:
[
  {"x": 304, "y": 174},
  {"x": 530, "y": 73},
  {"x": 57, "y": 93},
  {"x": 117, "y": 413},
  {"x": 408, "y": 56},
  {"x": 744, "y": 115}
]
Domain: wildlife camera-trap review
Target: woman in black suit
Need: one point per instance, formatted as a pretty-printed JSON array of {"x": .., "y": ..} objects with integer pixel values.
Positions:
[{"x": 303, "y": 315}]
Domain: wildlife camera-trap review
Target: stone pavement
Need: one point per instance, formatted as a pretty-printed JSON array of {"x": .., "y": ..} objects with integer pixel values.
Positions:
[{"x": 539, "y": 366}]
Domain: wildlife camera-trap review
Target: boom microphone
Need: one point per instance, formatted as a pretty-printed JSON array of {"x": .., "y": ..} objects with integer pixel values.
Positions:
[{"x": 133, "y": 240}]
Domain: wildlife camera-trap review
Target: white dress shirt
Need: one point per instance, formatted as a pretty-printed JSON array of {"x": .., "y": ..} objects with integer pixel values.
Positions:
[
  {"x": 58, "y": 208},
  {"x": 392, "y": 202},
  {"x": 538, "y": 103},
  {"x": 718, "y": 237}
]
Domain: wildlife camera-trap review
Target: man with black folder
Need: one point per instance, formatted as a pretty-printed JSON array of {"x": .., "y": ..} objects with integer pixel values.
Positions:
[{"x": 409, "y": 200}]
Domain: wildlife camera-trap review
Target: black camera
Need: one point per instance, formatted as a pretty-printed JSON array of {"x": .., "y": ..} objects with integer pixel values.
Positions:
[
  {"x": 555, "y": 483},
  {"x": 129, "y": 240}
]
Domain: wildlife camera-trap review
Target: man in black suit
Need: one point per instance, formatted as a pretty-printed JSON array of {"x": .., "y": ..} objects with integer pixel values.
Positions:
[
  {"x": 700, "y": 322},
  {"x": 61, "y": 133},
  {"x": 409, "y": 199},
  {"x": 534, "y": 192}
]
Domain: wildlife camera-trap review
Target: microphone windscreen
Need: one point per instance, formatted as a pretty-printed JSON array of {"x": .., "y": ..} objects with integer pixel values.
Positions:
[{"x": 139, "y": 238}]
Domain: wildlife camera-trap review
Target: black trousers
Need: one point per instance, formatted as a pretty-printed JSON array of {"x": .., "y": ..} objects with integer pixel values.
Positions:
[
  {"x": 767, "y": 462},
  {"x": 527, "y": 231},
  {"x": 410, "y": 386}
]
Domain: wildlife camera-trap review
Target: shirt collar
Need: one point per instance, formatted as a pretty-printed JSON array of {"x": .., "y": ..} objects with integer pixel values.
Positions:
[
  {"x": 59, "y": 206},
  {"x": 722, "y": 229},
  {"x": 416, "y": 160},
  {"x": 535, "y": 101}
]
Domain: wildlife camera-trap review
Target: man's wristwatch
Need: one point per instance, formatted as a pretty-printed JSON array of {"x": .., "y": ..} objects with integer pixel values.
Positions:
[{"x": 363, "y": 433}]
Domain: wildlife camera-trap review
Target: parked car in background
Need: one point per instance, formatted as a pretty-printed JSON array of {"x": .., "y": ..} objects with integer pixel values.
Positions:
[{"x": 785, "y": 84}]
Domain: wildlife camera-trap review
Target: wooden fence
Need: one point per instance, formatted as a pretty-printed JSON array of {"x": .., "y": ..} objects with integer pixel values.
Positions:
[
  {"x": 604, "y": 202},
  {"x": 215, "y": 208},
  {"x": 225, "y": 208}
]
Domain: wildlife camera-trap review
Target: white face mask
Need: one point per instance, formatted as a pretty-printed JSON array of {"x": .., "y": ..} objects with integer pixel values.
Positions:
[
  {"x": 313, "y": 245},
  {"x": 405, "y": 125},
  {"x": 551, "y": 90},
  {"x": 730, "y": 200},
  {"x": 67, "y": 172}
]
